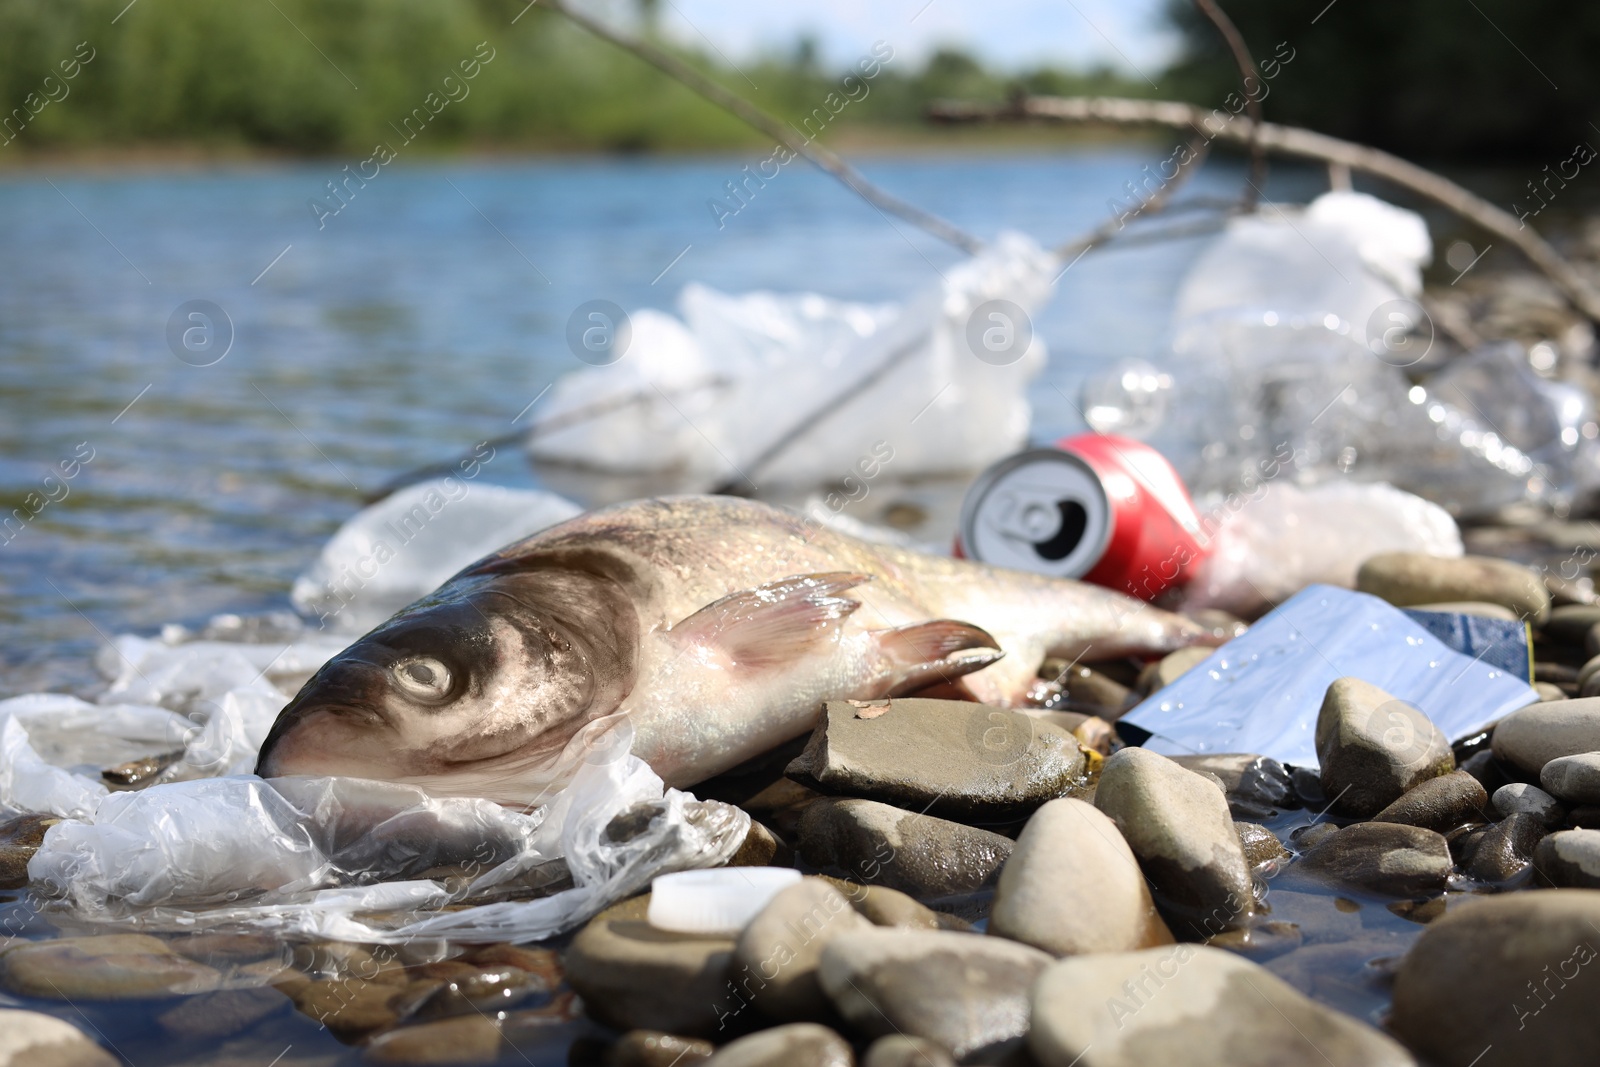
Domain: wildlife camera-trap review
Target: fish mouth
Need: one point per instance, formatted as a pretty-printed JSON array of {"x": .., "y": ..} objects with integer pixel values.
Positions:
[{"x": 331, "y": 723}]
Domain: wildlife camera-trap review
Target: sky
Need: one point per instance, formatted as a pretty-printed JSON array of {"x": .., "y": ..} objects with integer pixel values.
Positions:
[{"x": 1126, "y": 34}]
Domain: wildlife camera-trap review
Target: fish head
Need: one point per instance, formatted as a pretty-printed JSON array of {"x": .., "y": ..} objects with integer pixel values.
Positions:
[{"x": 477, "y": 690}]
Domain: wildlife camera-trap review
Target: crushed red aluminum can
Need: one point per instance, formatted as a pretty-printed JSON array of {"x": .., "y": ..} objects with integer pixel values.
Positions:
[{"x": 1103, "y": 508}]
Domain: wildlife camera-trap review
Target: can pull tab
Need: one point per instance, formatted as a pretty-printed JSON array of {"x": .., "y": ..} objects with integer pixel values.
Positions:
[{"x": 1052, "y": 525}]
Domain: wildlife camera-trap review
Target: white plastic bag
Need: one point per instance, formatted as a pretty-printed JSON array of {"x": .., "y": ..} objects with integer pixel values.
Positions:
[
  {"x": 1270, "y": 546},
  {"x": 778, "y": 358},
  {"x": 408, "y": 544}
]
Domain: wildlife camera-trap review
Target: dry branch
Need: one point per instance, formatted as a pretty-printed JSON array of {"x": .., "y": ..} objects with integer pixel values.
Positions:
[
  {"x": 783, "y": 133},
  {"x": 1306, "y": 144}
]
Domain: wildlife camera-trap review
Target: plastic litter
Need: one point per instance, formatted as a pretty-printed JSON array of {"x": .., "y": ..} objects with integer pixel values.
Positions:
[
  {"x": 1298, "y": 332},
  {"x": 1262, "y": 691},
  {"x": 1502, "y": 643},
  {"x": 321, "y": 856},
  {"x": 407, "y": 545},
  {"x": 719, "y": 902},
  {"x": 782, "y": 355},
  {"x": 1274, "y": 540}
]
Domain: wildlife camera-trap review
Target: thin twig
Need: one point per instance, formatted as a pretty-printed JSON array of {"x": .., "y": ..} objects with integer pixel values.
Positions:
[
  {"x": 753, "y": 116},
  {"x": 1247, "y": 71},
  {"x": 1108, "y": 230},
  {"x": 1306, "y": 144}
]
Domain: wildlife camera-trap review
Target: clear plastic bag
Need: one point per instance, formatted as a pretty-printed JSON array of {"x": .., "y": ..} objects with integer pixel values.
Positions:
[{"x": 1273, "y": 543}]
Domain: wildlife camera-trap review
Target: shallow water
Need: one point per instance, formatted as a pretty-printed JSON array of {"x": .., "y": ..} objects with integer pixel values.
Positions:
[
  {"x": 410, "y": 327},
  {"x": 425, "y": 316}
]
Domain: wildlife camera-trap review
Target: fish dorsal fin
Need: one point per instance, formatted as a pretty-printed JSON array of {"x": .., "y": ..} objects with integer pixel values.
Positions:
[
  {"x": 775, "y": 622},
  {"x": 927, "y": 653}
]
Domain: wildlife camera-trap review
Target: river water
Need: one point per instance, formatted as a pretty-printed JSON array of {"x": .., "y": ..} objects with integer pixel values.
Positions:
[{"x": 422, "y": 317}]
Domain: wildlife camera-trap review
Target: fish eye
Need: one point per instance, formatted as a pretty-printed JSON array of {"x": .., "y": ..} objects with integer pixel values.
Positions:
[{"x": 423, "y": 678}]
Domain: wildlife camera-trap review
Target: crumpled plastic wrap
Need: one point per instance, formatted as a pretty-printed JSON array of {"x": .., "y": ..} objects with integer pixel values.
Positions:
[
  {"x": 323, "y": 856},
  {"x": 407, "y": 545},
  {"x": 1299, "y": 331},
  {"x": 775, "y": 357},
  {"x": 210, "y": 844},
  {"x": 1281, "y": 539}
]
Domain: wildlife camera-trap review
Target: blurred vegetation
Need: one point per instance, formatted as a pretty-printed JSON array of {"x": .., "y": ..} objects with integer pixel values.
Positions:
[
  {"x": 250, "y": 75},
  {"x": 1425, "y": 78}
]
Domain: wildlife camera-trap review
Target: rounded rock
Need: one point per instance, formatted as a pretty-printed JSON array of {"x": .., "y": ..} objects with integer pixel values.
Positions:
[
  {"x": 1407, "y": 579},
  {"x": 1570, "y": 858},
  {"x": 1504, "y": 980},
  {"x": 966, "y": 992},
  {"x": 1505, "y": 849},
  {"x": 1190, "y": 1005},
  {"x": 652, "y": 1048},
  {"x": 1530, "y": 799},
  {"x": 1260, "y": 844},
  {"x": 1178, "y": 825},
  {"x": 1073, "y": 885},
  {"x": 794, "y": 1045},
  {"x": 632, "y": 976},
  {"x": 783, "y": 944},
  {"x": 865, "y": 841},
  {"x": 104, "y": 967},
  {"x": 33, "y": 1039},
  {"x": 1440, "y": 804},
  {"x": 1384, "y": 858},
  {"x": 898, "y": 1050},
  {"x": 1575, "y": 779},
  {"x": 1530, "y": 737},
  {"x": 1372, "y": 748}
]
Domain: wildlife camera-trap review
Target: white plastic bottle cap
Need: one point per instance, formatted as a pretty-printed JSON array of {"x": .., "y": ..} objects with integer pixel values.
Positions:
[{"x": 719, "y": 901}]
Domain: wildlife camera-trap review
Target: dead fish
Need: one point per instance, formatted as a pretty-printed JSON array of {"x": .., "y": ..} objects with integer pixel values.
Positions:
[{"x": 715, "y": 627}]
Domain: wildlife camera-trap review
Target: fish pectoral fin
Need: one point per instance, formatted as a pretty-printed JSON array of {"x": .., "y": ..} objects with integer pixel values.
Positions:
[
  {"x": 927, "y": 653},
  {"x": 773, "y": 623}
]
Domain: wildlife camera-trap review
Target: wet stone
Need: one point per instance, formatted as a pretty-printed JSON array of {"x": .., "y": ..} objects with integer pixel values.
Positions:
[
  {"x": 1570, "y": 624},
  {"x": 948, "y": 757},
  {"x": 882, "y": 906},
  {"x": 1073, "y": 885},
  {"x": 33, "y": 1039},
  {"x": 633, "y": 976},
  {"x": 1372, "y": 748},
  {"x": 794, "y": 1045},
  {"x": 104, "y": 967},
  {"x": 1574, "y": 779},
  {"x": 466, "y": 1040},
  {"x": 1530, "y": 799},
  {"x": 1440, "y": 804},
  {"x": 1260, "y": 844},
  {"x": 486, "y": 991},
  {"x": 1505, "y": 980},
  {"x": 1169, "y": 668},
  {"x": 1261, "y": 940},
  {"x": 1504, "y": 850},
  {"x": 782, "y": 946},
  {"x": 222, "y": 1014},
  {"x": 865, "y": 841},
  {"x": 1385, "y": 858},
  {"x": 652, "y": 1048},
  {"x": 1570, "y": 858},
  {"x": 1191, "y": 1005},
  {"x": 1530, "y": 737},
  {"x": 1257, "y": 787},
  {"x": 1407, "y": 579},
  {"x": 761, "y": 848},
  {"x": 1489, "y": 772},
  {"x": 966, "y": 992},
  {"x": 898, "y": 1050},
  {"x": 1178, "y": 825},
  {"x": 350, "y": 1006}
]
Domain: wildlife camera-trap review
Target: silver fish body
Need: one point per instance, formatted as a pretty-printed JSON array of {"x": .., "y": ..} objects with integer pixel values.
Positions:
[{"x": 714, "y": 627}]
